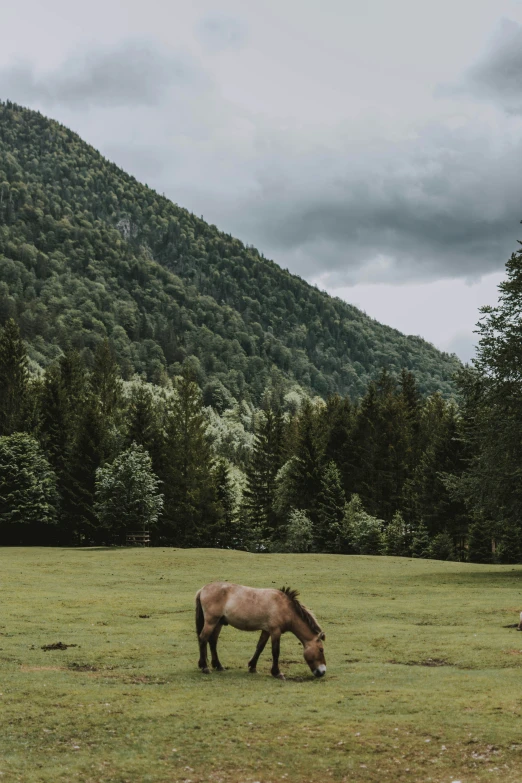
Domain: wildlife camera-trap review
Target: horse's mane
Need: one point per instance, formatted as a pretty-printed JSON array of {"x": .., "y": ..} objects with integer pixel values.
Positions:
[{"x": 304, "y": 613}]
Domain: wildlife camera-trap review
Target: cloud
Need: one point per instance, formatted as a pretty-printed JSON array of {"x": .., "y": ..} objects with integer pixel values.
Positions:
[
  {"x": 132, "y": 74},
  {"x": 444, "y": 204},
  {"x": 496, "y": 76},
  {"x": 219, "y": 32}
]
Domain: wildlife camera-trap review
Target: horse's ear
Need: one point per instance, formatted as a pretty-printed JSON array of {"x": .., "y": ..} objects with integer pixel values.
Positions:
[{"x": 322, "y": 636}]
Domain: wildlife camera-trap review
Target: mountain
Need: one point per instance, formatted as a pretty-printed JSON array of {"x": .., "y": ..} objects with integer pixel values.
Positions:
[{"x": 88, "y": 252}]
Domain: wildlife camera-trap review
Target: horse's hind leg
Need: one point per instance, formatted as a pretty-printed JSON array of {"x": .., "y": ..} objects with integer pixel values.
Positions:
[
  {"x": 213, "y": 647},
  {"x": 204, "y": 638},
  {"x": 259, "y": 649},
  {"x": 276, "y": 640}
]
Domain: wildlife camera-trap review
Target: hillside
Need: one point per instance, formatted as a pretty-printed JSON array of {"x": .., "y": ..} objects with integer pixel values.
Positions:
[{"x": 86, "y": 252}]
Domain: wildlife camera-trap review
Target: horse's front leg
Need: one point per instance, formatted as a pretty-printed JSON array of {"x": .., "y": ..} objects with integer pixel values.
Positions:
[
  {"x": 252, "y": 664},
  {"x": 276, "y": 644}
]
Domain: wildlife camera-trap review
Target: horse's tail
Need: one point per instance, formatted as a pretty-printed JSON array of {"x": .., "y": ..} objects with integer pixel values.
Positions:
[{"x": 200, "y": 617}]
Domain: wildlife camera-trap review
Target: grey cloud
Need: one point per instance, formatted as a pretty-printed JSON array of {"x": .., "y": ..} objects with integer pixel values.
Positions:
[
  {"x": 219, "y": 32},
  {"x": 446, "y": 205},
  {"x": 134, "y": 74},
  {"x": 497, "y": 74}
]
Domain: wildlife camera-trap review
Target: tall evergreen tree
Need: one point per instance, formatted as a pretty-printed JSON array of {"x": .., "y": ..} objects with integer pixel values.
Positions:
[
  {"x": 190, "y": 513},
  {"x": 14, "y": 380},
  {"x": 330, "y": 510},
  {"x": 227, "y": 534},
  {"x": 261, "y": 472}
]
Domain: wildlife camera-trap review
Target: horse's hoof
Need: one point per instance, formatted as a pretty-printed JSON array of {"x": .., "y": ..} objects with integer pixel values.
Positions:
[
  {"x": 281, "y": 677},
  {"x": 252, "y": 670},
  {"x": 219, "y": 668},
  {"x": 206, "y": 670}
]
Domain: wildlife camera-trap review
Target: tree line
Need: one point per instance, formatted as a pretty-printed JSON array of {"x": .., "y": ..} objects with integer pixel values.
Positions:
[{"x": 86, "y": 457}]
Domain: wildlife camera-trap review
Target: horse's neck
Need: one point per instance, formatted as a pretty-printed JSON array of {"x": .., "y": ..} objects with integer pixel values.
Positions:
[{"x": 301, "y": 629}]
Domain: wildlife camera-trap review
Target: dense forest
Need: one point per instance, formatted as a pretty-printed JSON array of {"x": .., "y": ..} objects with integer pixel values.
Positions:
[
  {"x": 156, "y": 374},
  {"x": 87, "y": 253},
  {"x": 86, "y": 457}
]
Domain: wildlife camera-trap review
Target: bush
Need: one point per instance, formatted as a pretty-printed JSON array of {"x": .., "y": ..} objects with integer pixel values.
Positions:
[
  {"x": 127, "y": 496},
  {"x": 28, "y": 492}
]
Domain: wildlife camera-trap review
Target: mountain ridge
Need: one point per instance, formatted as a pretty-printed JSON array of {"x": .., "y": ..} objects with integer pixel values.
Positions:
[{"x": 87, "y": 252}]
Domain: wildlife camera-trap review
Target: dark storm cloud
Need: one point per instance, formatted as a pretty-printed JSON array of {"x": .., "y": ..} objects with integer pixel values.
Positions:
[
  {"x": 219, "y": 32},
  {"x": 497, "y": 76},
  {"x": 134, "y": 74},
  {"x": 446, "y": 205}
]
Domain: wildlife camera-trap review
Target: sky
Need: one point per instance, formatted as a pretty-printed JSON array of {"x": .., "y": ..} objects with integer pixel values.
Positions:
[{"x": 373, "y": 148}]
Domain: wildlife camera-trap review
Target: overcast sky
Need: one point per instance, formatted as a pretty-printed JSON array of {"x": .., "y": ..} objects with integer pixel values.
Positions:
[{"x": 374, "y": 148}]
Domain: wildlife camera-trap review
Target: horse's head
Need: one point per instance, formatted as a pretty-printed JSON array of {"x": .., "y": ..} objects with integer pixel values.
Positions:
[{"x": 314, "y": 655}]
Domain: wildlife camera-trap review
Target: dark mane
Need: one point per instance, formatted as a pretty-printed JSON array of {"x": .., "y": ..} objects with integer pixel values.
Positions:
[{"x": 304, "y": 613}]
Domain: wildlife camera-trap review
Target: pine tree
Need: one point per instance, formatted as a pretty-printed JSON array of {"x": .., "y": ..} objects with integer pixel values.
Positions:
[
  {"x": 337, "y": 418},
  {"x": 28, "y": 496},
  {"x": 420, "y": 546},
  {"x": 308, "y": 463},
  {"x": 105, "y": 380},
  {"x": 227, "y": 532},
  {"x": 88, "y": 452},
  {"x": 395, "y": 537},
  {"x": 509, "y": 549},
  {"x": 144, "y": 425},
  {"x": 330, "y": 510},
  {"x": 190, "y": 515},
  {"x": 480, "y": 542},
  {"x": 14, "y": 380},
  {"x": 441, "y": 547},
  {"x": 261, "y": 472}
]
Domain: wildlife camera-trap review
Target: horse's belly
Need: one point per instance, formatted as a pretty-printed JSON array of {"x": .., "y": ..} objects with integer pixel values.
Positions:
[{"x": 248, "y": 616}]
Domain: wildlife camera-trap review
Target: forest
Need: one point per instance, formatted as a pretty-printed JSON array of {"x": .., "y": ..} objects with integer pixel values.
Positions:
[
  {"x": 156, "y": 374},
  {"x": 87, "y": 253},
  {"x": 86, "y": 456}
]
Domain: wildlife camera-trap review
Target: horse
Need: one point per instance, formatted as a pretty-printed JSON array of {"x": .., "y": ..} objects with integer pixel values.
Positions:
[{"x": 271, "y": 611}]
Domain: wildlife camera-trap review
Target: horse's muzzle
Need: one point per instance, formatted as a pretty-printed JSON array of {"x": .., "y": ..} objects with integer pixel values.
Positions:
[{"x": 320, "y": 671}]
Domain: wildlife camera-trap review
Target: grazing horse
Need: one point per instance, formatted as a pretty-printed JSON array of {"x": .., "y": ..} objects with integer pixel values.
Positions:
[{"x": 273, "y": 612}]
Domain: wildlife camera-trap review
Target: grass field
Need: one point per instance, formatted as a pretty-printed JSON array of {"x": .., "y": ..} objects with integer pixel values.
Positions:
[{"x": 423, "y": 684}]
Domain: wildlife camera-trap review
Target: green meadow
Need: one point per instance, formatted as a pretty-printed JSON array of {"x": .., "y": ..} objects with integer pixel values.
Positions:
[{"x": 424, "y": 682}]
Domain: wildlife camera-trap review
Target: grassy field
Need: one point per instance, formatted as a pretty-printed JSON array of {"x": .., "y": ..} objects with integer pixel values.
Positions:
[{"x": 423, "y": 684}]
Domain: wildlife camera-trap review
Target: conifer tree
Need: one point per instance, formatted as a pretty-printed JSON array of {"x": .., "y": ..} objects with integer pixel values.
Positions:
[
  {"x": 105, "y": 380},
  {"x": 88, "y": 452},
  {"x": 190, "y": 514},
  {"x": 14, "y": 380},
  {"x": 307, "y": 466},
  {"x": 144, "y": 424},
  {"x": 261, "y": 474},
  {"x": 396, "y": 538},
  {"x": 337, "y": 418},
  {"x": 480, "y": 542},
  {"x": 227, "y": 533},
  {"x": 330, "y": 510},
  {"x": 509, "y": 549},
  {"x": 420, "y": 546}
]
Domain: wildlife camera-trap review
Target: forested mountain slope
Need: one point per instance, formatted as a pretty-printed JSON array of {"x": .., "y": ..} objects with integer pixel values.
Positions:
[{"x": 87, "y": 252}]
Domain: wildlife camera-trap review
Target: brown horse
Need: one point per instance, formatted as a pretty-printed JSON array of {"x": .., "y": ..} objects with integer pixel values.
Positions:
[{"x": 273, "y": 612}]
